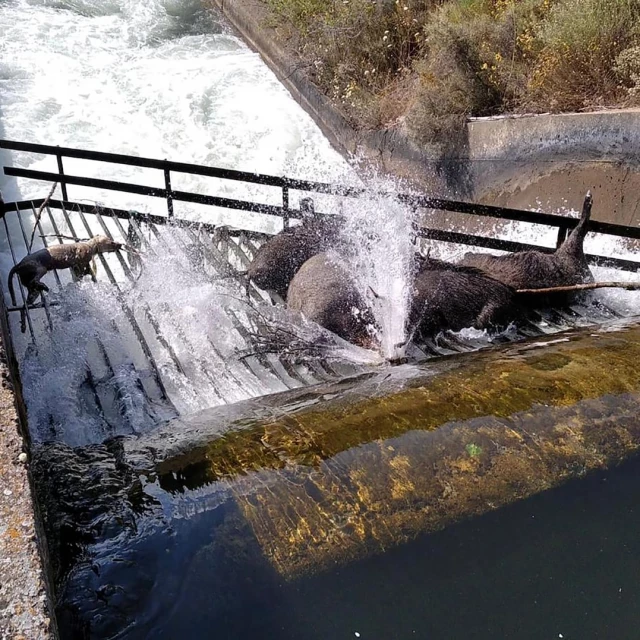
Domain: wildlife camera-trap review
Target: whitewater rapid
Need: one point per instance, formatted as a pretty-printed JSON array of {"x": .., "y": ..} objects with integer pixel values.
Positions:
[{"x": 161, "y": 79}]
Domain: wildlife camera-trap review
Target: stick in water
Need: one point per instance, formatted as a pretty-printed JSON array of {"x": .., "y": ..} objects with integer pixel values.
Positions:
[
  {"x": 629, "y": 286},
  {"x": 39, "y": 215}
]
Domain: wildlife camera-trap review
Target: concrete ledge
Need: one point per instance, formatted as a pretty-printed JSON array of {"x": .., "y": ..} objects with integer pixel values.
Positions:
[
  {"x": 500, "y": 146},
  {"x": 23, "y": 598}
]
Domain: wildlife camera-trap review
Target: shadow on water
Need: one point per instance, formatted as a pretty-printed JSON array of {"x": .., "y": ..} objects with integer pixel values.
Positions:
[{"x": 186, "y": 564}]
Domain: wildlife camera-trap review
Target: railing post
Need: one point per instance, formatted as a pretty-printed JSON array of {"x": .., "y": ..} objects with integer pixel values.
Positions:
[
  {"x": 167, "y": 184},
  {"x": 63, "y": 184},
  {"x": 562, "y": 236},
  {"x": 285, "y": 206}
]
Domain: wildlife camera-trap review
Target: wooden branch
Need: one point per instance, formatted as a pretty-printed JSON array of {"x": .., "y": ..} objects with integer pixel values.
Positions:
[
  {"x": 629, "y": 286},
  {"x": 39, "y": 215}
]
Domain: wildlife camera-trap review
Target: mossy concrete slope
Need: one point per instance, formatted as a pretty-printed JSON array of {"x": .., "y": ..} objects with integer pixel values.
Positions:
[{"x": 337, "y": 472}]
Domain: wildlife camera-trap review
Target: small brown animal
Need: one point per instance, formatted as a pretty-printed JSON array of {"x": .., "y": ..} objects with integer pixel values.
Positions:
[
  {"x": 33, "y": 267},
  {"x": 325, "y": 293},
  {"x": 537, "y": 270}
]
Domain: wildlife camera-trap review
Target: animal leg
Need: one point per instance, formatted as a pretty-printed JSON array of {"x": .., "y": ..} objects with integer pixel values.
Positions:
[
  {"x": 83, "y": 271},
  {"x": 489, "y": 317},
  {"x": 35, "y": 287},
  {"x": 34, "y": 292}
]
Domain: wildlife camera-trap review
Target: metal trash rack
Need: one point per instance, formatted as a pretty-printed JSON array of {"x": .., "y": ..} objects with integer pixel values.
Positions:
[{"x": 226, "y": 246}]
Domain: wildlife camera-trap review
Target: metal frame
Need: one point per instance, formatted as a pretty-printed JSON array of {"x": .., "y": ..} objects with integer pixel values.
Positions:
[
  {"x": 148, "y": 328},
  {"x": 220, "y": 247}
]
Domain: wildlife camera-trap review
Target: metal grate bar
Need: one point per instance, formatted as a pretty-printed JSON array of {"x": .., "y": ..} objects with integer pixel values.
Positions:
[
  {"x": 45, "y": 243},
  {"x": 145, "y": 308},
  {"x": 102, "y": 350},
  {"x": 180, "y": 333},
  {"x": 25, "y": 311},
  {"x": 45, "y": 303},
  {"x": 132, "y": 320}
]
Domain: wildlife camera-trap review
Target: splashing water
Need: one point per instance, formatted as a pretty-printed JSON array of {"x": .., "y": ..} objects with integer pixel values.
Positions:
[
  {"x": 165, "y": 78},
  {"x": 378, "y": 236}
]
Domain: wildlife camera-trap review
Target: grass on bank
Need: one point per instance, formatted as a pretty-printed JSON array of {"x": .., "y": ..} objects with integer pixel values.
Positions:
[{"x": 427, "y": 65}]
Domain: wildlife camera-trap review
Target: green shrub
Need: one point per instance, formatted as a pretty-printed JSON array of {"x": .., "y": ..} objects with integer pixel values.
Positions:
[
  {"x": 476, "y": 57},
  {"x": 357, "y": 50},
  {"x": 432, "y": 63},
  {"x": 300, "y": 13},
  {"x": 579, "y": 43},
  {"x": 627, "y": 69}
]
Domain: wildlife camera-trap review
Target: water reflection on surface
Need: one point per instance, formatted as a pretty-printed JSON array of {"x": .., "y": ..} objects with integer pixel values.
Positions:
[{"x": 562, "y": 564}]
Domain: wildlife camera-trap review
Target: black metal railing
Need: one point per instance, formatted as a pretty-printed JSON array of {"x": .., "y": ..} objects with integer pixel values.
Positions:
[{"x": 561, "y": 223}]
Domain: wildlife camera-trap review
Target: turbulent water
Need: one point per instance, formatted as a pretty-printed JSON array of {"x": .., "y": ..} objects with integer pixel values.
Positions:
[
  {"x": 160, "y": 78},
  {"x": 163, "y": 79}
]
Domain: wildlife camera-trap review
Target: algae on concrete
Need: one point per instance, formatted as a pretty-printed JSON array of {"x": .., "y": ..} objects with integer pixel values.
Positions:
[{"x": 337, "y": 480}]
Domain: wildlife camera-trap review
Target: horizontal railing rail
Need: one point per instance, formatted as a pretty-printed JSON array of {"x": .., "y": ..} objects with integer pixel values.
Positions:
[
  {"x": 454, "y": 237},
  {"x": 157, "y": 192},
  {"x": 562, "y": 223}
]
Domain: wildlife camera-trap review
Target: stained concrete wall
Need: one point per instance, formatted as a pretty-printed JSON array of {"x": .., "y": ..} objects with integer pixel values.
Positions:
[
  {"x": 552, "y": 160},
  {"x": 546, "y": 161},
  {"x": 389, "y": 150}
]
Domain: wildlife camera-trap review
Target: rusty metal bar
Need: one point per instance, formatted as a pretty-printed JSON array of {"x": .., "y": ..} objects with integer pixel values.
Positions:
[
  {"x": 211, "y": 250},
  {"x": 177, "y": 328},
  {"x": 422, "y": 232}
]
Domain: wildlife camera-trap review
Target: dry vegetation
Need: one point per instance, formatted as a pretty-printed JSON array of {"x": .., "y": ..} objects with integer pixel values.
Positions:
[{"x": 426, "y": 65}]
